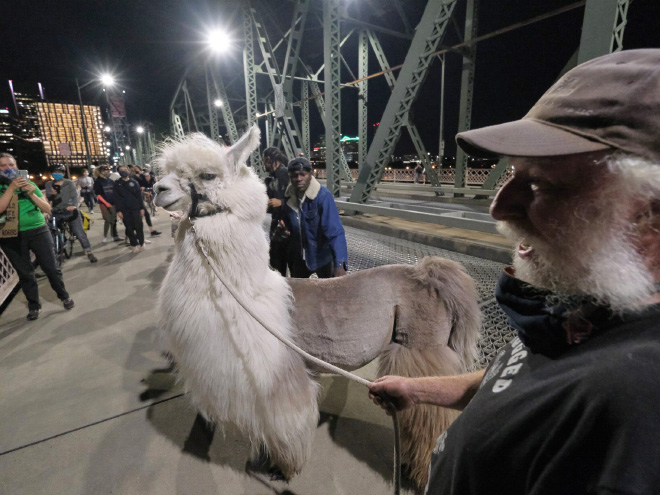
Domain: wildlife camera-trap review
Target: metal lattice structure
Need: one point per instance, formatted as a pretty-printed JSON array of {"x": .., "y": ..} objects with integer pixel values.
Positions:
[
  {"x": 250, "y": 82},
  {"x": 292, "y": 65},
  {"x": 430, "y": 31},
  {"x": 332, "y": 95},
  {"x": 8, "y": 277},
  {"x": 467, "y": 88}
]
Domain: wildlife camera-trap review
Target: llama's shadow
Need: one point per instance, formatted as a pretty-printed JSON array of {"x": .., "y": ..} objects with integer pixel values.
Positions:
[{"x": 225, "y": 445}]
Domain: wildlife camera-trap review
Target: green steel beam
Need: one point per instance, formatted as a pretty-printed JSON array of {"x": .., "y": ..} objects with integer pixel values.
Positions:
[
  {"x": 332, "y": 76},
  {"x": 213, "y": 111},
  {"x": 412, "y": 130},
  {"x": 363, "y": 88},
  {"x": 467, "y": 88},
  {"x": 250, "y": 83},
  {"x": 428, "y": 34}
]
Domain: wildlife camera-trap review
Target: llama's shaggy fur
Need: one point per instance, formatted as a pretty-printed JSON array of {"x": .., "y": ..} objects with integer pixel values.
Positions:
[{"x": 421, "y": 320}]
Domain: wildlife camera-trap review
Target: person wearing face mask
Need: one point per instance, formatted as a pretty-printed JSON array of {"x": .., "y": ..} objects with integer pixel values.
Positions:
[
  {"x": 570, "y": 405},
  {"x": 104, "y": 191},
  {"x": 63, "y": 197},
  {"x": 33, "y": 235},
  {"x": 130, "y": 207}
]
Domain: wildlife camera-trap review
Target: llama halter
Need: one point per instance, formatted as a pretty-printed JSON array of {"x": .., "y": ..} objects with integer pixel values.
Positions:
[
  {"x": 195, "y": 198},
  {"x": 319, "y": 362}
]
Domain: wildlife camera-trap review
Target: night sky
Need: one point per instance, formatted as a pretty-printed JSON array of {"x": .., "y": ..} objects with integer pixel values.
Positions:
[{"x": 149, "y": 43}]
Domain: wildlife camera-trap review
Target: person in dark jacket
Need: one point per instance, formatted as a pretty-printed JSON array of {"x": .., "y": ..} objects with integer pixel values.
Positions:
[
  {"x": 146, "y": 182},
  {"x": 130, "y": 207},
  {"x": 276, "y": 183},
  {"x": 104, "y": 190},
  {"x": 318, "y": 241}
]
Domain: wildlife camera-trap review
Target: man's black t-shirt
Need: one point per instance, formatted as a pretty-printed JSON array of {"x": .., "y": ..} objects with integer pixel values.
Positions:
[{"x": 585, "y": 422}]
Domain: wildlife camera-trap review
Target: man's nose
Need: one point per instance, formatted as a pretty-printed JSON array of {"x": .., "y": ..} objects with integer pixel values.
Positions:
[{"x": 511, "y": 201}]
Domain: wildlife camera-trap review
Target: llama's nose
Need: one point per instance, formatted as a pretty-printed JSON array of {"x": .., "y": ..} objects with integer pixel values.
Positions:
[{"x": 158, "y": 187}]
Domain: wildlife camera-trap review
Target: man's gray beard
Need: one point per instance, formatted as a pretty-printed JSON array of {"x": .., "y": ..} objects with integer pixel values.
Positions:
[{"x": 593, "y": 260}]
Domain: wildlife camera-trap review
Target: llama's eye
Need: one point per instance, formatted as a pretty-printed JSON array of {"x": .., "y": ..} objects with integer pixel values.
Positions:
[{"x": 205, "y": 176}]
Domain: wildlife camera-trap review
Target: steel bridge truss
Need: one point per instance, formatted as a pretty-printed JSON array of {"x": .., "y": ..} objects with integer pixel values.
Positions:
[{"x": 280, "y": 102}]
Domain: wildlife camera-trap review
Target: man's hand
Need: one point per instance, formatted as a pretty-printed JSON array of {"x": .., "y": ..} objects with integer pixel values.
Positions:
[
  {"x": 274, "y": 203},
  {"x": 120, "y": 215},
  {"x": 142, "y": 212},
  {"x": 394, "y": 390},
  {"x": 70, "y": 208}
]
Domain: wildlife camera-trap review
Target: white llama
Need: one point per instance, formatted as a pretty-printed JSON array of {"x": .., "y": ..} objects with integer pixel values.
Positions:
[
  {"x": 234, "y": 370},
  {"x": 419, "y": 320}
]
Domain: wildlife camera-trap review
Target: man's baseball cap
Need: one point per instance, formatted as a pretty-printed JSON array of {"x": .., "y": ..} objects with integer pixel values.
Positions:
[
  {"x": 298, "y": 164},
  {"x": 611, "y": 101}
]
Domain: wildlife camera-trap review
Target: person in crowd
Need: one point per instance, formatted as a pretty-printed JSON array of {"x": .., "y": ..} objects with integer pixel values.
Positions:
[
  {"x": 130, "y": 207},
  {"x": 569, "y": 406},
  {"x": 277, "y": 181},
  {"x": 114, "y": 174},
  {"x": 318, "y": 241},
  {"x": 104, "y": 191},
  {"x": 146, "y": 182},
  {"x": 418, "y": 173},
  {"x": 85, "y": 184},
  {"x": 63, "y": 197},
  {"x": 33, "y": 235}
]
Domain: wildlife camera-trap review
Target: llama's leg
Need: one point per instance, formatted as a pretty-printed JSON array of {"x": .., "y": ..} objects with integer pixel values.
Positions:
[
  {"x": 289, "y": 421},
  {"x": 421, "y": 425}
]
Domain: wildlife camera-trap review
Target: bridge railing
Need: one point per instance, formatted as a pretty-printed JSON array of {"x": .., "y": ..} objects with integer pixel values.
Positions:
[{"x": 474, "y": 177}]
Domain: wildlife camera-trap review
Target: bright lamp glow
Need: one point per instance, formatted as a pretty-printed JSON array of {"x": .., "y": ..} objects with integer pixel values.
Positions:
[
  {"x": 140, "y": 130},
  {"x": 218, "y": 40},
  {"x": 218, "y": 103},
  {"x": 107, "y": 129},
  {"x": 107, "y": 80},
  {"x": 128, "y": 148}
]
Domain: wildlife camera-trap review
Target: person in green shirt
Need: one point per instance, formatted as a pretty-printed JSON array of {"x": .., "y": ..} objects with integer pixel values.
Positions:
[{"x": 33, "y": 235}]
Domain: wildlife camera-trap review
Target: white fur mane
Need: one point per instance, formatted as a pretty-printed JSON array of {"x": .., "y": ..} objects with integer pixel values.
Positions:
[{"x": 231, "y": 366}]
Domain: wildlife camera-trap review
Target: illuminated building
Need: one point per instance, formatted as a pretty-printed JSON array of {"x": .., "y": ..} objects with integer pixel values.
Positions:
[
  {"x": 350, "y": 146},
  {"x": 6, "y": 132},
  {"x": 62, "y": 133},
  {"x": 26, "y": 112}
]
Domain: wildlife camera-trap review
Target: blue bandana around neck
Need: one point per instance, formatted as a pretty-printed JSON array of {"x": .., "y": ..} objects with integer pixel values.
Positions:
[{"x": 547, "y": 327}]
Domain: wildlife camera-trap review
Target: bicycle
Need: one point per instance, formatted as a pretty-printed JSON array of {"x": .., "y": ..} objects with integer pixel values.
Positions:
[
  {"x": 148, "y": 195},
  {"x": 63, "y": 238}
]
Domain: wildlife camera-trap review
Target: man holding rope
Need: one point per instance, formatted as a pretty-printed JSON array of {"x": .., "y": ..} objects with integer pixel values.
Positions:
[{"x": 570, "y": 405}]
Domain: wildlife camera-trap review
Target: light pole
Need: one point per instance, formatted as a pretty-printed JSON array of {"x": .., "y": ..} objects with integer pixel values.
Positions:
[
  {"x": 106, "y": 79},
  {"x": 84, "y": 126},
  {"x": 109, "y": 81}
]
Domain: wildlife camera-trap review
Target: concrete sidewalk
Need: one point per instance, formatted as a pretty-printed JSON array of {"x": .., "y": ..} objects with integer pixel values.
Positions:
[{"x": 88, "y": 405}]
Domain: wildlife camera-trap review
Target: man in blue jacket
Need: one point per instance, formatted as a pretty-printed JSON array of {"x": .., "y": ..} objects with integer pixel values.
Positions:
[{"x": 318, "y": 242}]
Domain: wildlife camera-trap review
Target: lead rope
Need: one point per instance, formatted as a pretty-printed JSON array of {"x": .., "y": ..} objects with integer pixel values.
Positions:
[{"x": 329, "y": 367}]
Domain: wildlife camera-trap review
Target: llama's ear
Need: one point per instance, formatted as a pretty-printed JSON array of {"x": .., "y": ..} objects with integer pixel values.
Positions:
[{"x": 240, "y": 151}]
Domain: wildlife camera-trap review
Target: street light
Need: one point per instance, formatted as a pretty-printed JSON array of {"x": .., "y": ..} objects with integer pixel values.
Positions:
[
  {"x": 218, "y": 40},
  {"x": 107, "y": 80},
  {"x": 218, "y": 102},
  {"x": 140, "y": 130}
]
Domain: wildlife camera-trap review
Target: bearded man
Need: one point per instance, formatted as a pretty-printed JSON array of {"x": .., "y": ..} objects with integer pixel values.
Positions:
[{"x": 570, "y": 406}]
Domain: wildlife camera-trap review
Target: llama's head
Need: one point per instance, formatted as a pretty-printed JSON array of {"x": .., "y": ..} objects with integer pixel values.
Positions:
[{"x": 203, "y": 178}]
